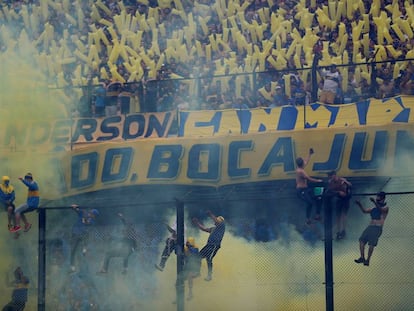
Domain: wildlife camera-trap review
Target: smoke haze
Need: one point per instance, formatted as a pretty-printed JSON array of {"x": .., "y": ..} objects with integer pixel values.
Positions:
[{"x": 286, "y": 273}]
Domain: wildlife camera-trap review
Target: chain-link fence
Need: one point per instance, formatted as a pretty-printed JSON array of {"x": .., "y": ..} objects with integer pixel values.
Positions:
[
  {"x": 387, "y": 282},
  {"x": 105, "y": 259},
  {"x": 347, "y": 83}
]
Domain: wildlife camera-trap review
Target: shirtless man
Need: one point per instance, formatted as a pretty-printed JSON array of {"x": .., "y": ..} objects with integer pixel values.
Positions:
[
  {"x": 341, "y": 187},
  {"x": 302, "y": 190},
  {"x": 372, "y": 233}
]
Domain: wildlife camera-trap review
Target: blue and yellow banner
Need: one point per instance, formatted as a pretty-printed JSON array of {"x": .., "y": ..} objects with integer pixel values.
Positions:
[
  {"x": 47, "y": 133},
  {"x": 375, "y": 138},
  {"x": 233, "y": 159},
  {"x": 290, "y": 118},
  {"x": 41, "y": 134}
]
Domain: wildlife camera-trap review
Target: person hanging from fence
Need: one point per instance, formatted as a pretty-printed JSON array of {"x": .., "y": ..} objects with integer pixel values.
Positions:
[
  {"x": 304, "y": 192},
  {"x": 32, "y": 203},
  {"x": 121, "y": 247},
  {"x": 20, "y": 291},
  {"x": 170, "y": 244},
  {"x": 214, "y": 240},
  {"x": 7, "y": 197},
  {"x": 80, "y": 232},
  {"x": 372, "y": 233},
  {"x": 343, "y": 192},
  {"x": 192, "y": 264}
]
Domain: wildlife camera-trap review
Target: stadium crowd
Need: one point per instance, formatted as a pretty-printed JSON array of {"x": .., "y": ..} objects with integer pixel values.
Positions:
[{"x": 160, "y": 55}]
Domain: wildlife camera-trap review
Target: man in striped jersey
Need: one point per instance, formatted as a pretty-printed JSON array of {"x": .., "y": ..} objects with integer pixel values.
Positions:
[{"x": 214, "y": 240}]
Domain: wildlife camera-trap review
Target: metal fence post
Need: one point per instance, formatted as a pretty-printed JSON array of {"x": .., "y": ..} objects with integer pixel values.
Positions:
[
  {"x": 329, "y": 297},
  {"x": 314, "y": 79},
  {"x": 180, "y": 255},
  {"x": 41, "y": 279}
]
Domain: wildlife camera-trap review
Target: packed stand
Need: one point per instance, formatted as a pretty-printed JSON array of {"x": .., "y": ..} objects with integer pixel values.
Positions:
[{"x": 164, "y": 55}]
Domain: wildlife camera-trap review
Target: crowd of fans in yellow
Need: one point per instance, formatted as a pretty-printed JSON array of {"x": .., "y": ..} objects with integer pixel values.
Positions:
[{"x": 205, "y": 51}]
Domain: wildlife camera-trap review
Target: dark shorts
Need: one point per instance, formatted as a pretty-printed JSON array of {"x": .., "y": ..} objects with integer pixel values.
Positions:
[
  {"x": 371, "y": 235},
  {"x": 342, "y": 205},
  {"x": 209, "y": 251},
  {"x": 305, "y": 194}
]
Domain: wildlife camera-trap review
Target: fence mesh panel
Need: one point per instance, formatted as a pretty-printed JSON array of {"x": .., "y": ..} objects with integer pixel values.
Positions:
[{"x": 269, "y": 259}]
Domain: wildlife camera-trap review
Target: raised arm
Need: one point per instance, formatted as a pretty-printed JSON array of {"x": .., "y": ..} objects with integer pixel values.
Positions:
[
  {"x": 345, "y": 181},
  {"x": 212, "y": 216},
  {"x": 171, "y": 229},
  {"x": 384, "y": 209},
  {"x": 307, "y": 159},
  {"x": 362, "y": 208},
  {"x": 200, "y": 225}
]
